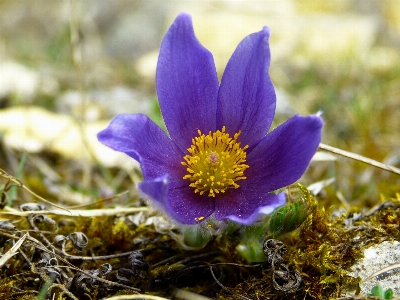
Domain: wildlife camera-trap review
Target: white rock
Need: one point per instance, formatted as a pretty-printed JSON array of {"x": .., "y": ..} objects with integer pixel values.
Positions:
[
  {"x": 17, "y": 79},
  {"x": 376, "y": 258},
  {"x": 34, "y": 129}
]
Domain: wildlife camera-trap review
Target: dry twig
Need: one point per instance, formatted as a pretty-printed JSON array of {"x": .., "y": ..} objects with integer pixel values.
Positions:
[
  {"x": 13, "y": 250},
  {"x": 360, "y": 158}
]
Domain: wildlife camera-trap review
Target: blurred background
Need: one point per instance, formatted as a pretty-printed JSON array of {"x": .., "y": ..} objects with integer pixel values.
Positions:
[{"x": 68, "y": 67}]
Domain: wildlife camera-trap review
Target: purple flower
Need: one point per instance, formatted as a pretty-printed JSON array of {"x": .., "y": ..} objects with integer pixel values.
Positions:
[{"x": 218, "y": 157}]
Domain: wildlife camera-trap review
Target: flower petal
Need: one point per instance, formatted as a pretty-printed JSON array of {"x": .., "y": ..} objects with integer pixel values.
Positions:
[
  {"x": 140, "y": 138},
  {"x": 244, "y": 215},
  {"x": 277, "y": 161},
  {"x": 187, "y": 83},
  {"x": 187, "y": 207},
  {"x": 178, "y": 200},
  {"x": 246, "y": 99},
  {"x": 283, "y": 155},
  {"x": 156, "y": 189}
]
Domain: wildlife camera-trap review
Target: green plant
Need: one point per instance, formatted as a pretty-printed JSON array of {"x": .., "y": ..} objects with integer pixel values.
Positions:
[{"x": 377, "y": 291}]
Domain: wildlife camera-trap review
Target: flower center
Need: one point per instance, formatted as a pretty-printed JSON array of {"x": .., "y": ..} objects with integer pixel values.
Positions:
[{"x": 215, "y": 162}]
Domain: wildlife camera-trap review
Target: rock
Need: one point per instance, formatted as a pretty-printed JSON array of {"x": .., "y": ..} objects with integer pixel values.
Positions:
[
  {"x": 17, "y": 79},
  {"x": 376, "y": 258},
  {"x": 35, "y": 129}
]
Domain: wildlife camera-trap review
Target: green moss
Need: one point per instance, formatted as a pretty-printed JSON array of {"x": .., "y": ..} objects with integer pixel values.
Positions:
[{"x": 323, "y": 250}]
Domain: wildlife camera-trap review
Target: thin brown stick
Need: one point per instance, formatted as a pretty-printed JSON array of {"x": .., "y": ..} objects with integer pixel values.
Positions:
[
  {"x": 78, "y": 212},
  {"x": 63, "y": 289},
  {"x": 139, "y": 296},
  {"x": 13, "y": 250},
  {"x": 225, "y": 288},
  {"x": 382, "y": 271},
  {"x": 37, "y": 244},
  {"x": 98, "y": 201},
  {"x": 360, "y": 158},
  {"x": 20, "y": 184}
]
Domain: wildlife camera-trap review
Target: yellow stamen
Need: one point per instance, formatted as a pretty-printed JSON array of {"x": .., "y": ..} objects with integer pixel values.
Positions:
[{"x": 215, "y": 162}]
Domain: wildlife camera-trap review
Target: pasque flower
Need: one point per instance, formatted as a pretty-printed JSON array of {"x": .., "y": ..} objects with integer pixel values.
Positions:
[{"x": 218, "y": 157}]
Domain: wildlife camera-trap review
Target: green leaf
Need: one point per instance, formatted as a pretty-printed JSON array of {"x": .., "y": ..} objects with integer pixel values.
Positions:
[
  {"x": 377, "y": 291},
  {"x": 389, "y": 294}
]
